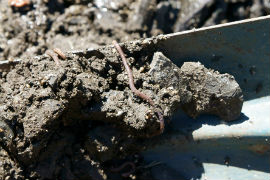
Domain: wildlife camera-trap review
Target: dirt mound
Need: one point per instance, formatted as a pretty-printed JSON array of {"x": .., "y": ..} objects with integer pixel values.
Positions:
[{"x": 72, "y": 120}]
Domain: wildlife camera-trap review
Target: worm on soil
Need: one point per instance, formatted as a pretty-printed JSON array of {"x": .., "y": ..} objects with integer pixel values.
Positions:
[
  {"x": 54, "y": 56},
  {"x": 134, "y": 89},
  {"x": 126, "y": 174},
  {"x": 60, "y": 53}
]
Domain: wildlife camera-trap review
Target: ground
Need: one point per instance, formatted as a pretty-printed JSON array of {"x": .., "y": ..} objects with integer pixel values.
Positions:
[{"x": 80, "y": 119}]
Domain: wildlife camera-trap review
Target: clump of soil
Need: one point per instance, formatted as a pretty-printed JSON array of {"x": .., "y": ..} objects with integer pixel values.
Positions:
[{"x": 71, "y": 121}]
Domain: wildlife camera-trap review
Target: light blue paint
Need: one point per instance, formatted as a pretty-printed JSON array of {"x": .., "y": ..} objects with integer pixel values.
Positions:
[
  {"x": 206, "y": 158},
  {"x": 198, "y": 149}
]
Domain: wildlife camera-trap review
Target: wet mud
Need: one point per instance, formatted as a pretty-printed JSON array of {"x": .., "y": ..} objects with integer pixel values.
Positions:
[
  {"x": 79, "y": 119},
  {"x": 57, "y": 118}
]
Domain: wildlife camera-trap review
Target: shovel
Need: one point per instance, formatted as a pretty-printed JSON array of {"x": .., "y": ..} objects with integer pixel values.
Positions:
[{"x": 207, "y": 148}]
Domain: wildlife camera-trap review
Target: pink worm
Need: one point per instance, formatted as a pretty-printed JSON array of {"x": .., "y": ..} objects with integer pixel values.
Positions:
[
  {"x": 60, "y": 53},
  {"x": 54, "y": 56},
  {"x": 134, "y": 89}
]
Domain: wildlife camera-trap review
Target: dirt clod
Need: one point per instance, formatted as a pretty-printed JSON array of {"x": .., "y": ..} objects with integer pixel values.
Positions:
[
  {"x": 212, "y": 92},
  {"x": 47, "y": 111}
]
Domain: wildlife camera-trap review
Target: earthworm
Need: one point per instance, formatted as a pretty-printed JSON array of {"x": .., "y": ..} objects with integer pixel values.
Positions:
[
  {"x": 54, "y": 56},
  {"x": 161, "y": 120},
  {"x": 123, "y": 166},
  {"x": 134, "y": 89},
  {"x": 60, "y": 53}
]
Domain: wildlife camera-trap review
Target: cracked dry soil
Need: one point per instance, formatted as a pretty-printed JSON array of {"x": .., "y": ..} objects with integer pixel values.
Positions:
[{"x": 73, "y": 121}]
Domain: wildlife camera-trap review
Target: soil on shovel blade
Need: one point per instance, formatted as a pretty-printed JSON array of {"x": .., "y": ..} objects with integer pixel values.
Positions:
[
  {"x": 79, "y": 119},
  {"x": 74, "y": 120}
]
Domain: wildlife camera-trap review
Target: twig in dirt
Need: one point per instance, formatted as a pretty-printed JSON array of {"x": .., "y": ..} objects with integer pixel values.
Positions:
[
  {"x": 54, "y": 56},
  {"x": 60, "y": 53},
  {"x": 134, "y": 89},
  {"x": 126, "y": 174}
]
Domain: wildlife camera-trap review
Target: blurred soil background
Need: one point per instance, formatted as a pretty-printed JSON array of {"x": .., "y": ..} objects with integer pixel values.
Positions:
[{"x": 79, "y": 24}]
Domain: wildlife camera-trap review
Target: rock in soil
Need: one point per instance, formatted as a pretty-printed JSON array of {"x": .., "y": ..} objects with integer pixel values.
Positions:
[{"x": 212, "y": 92}]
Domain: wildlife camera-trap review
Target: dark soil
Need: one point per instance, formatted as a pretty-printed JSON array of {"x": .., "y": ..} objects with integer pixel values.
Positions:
[
  {"x": 79, "y": 119},
  {"x": 58, "y": 119}
]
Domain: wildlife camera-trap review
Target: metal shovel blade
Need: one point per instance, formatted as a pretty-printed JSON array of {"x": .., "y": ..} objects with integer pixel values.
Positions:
[{"x": 207, "y": 148}]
